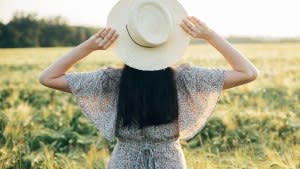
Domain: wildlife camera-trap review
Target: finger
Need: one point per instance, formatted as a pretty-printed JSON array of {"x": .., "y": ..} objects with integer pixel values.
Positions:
[
  {"x": 189, "y": 24},
  {"x": 196, "y": 23},
  {"x": 189, "y": 31},
  {"x": 110, "y": 34},
  {"x": 105, "y": 32},
  {"x": 186, "y": 28},
  {"x": 107, "y": 38},
  {"x": 115, "y": 35},
  {"x": 112, "y": 40},
  {"x": 196, "y": 20},
  {"x": 99, "y": 33},
  {"x": 200, "y": 23}
]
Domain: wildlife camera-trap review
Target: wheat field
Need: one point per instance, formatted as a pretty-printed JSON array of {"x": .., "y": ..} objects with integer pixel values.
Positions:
[{"x": 254, "y": 126}]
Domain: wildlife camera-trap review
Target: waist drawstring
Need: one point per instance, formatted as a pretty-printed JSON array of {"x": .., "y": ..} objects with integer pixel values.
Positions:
[{"x": 145, "y": 158}]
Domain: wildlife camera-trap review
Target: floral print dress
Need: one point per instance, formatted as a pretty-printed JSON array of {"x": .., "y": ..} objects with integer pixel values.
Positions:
[{"x": 154, "y": 147}]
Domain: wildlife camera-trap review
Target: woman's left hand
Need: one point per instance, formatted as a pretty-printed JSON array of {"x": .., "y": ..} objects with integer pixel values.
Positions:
[{"x": 102, "y": 39}]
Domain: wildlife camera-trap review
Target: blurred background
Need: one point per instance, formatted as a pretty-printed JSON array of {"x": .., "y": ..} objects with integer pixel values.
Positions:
[
  {"x": 254, "y": 126},
  {"x": 33, "y": 23}
]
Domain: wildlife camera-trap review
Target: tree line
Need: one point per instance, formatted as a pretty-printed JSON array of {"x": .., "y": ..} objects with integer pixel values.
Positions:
[{"x": 27, "y": 30}]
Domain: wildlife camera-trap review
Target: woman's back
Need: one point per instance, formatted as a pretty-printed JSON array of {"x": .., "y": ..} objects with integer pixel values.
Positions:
[
  {"x": 150, "y": 48},
  {"x": 198, "y": 92}
]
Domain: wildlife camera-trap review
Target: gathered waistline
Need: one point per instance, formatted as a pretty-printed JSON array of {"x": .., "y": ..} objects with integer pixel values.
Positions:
[
  {"x": 146, "y": 141},
  {"x": 147, "y": 149}
]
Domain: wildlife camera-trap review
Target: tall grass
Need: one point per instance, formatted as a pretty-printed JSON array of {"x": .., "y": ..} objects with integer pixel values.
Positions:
[{"x": 254, "y": 126}]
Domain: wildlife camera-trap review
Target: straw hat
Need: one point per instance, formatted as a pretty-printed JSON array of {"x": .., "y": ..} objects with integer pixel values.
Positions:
[{"x": 150, "y": 37}]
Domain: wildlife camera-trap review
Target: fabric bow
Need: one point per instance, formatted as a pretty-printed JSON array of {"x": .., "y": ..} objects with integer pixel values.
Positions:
[{"x": 145, "y": 158}]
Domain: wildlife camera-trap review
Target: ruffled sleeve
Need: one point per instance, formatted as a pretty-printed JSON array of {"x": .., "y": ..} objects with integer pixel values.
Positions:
[
  {"x": 96, "y": 96},
  {"x": 199, "y": 91}
]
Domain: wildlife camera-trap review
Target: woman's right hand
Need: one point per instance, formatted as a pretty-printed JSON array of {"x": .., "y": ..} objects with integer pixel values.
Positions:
[
  {"x": 196, "y": 28},
  {"x": 102, "y": 40}
]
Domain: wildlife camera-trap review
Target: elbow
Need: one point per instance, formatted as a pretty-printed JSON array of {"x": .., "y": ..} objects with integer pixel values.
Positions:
[
  {"x": 42, "y": 79},
  {"x": 252, "y": 75}
]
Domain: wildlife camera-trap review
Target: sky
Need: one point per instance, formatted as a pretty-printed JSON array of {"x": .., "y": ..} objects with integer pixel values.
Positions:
[{"x": 267, "y": 18}]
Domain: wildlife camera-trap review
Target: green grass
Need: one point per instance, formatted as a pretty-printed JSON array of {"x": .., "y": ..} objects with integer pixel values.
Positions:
[{"x": 254, "y": 126}]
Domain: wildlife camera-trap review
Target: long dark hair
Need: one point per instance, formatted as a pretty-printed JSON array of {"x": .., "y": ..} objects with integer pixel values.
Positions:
[{"x": 147, "y": 97}]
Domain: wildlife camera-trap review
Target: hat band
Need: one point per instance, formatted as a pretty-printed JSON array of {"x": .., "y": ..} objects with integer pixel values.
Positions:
[{"x": 135, "y": 41}]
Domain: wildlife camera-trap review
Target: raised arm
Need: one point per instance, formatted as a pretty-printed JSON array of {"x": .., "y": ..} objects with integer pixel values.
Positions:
[
  {"x": 53, "y": 76},
  {"x": 243, "y": 70}
]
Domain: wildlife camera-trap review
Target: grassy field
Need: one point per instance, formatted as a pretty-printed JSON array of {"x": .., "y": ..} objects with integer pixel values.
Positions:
[{"x": 254, "y": 126}]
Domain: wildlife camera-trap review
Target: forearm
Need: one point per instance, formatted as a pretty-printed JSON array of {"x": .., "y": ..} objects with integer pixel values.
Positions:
[
  {"x": 237, "y": 61},
  {"x": 62, "y": 64}
]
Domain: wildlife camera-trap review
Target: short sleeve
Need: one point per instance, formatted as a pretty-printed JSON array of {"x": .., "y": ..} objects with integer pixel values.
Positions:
[
  {"x": 95, "y": 95},
  {"x": 199, "y": 91}
]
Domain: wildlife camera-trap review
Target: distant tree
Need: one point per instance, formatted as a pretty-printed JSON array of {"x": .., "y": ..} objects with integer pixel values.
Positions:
[
  {"x": 24, "y": 29},
  {"x": 2, "y": 27},
  {"x": 54, "y": 32},
  {"x": 79, "y": 34},
  {"x": 27, "y": 30}
]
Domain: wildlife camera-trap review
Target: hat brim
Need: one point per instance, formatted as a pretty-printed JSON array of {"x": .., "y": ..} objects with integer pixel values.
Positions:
[{"x": 148, "y": 58}]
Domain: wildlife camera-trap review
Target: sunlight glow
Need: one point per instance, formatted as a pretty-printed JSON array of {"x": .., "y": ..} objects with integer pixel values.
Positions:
[{"x": 231, "y": 17}]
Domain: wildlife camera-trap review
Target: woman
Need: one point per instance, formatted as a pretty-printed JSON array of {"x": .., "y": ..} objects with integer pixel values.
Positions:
[{"x": 149, "y": 108}]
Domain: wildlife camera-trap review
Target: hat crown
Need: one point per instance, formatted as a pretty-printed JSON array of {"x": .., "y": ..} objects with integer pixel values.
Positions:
[
  {"x": 149, "y": 23},
  {"x": 150, "y": 35}
]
